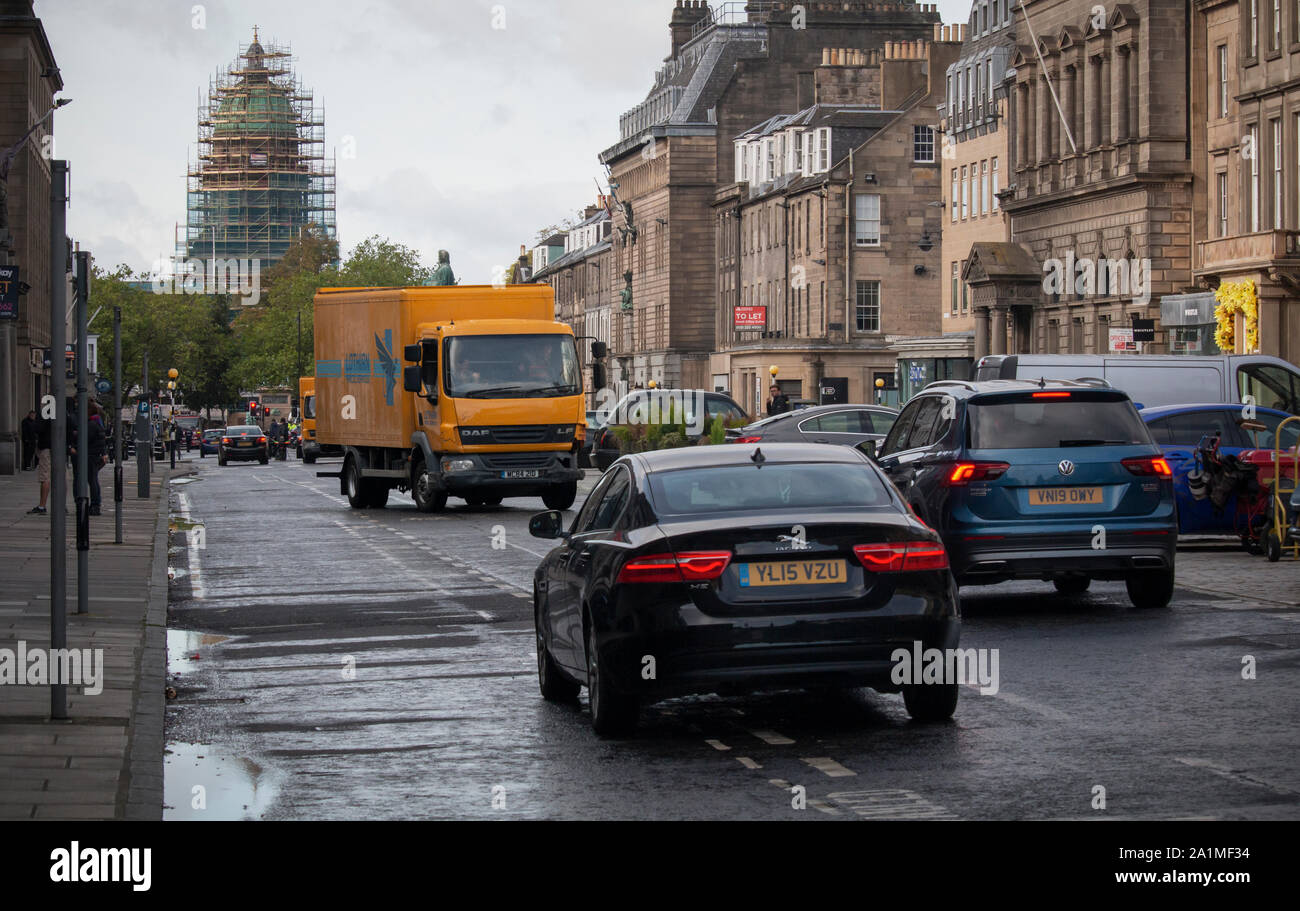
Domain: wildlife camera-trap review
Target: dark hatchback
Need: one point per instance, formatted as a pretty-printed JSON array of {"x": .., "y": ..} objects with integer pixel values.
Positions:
[
  {"x": 841, "y": 425},
  {"x": 243, "y": 444},
  {"x": 739, "y": 568},
  {"x": 1056, "y": 481}
]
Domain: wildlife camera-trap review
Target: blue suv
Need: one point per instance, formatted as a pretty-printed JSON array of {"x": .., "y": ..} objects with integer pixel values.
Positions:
[{"x": 1048, "y": 480}]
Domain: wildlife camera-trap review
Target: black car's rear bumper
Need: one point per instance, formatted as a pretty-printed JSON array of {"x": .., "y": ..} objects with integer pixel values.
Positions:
[
  {"x": 258, "y": 454},
  {"x": 696, "y": 653},
  {"x": 989, "y": 562}
]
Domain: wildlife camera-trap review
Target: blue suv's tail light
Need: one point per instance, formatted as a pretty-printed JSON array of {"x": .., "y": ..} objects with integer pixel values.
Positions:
[
  {"x": 964, "y": 472},
  {"x": 1148, "y": 466}
]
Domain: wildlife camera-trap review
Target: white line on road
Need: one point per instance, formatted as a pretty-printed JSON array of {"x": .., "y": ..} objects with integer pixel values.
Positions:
[
  {"x": 1028, "y": 705},
  {"x": 772, "y": 738},
  {"x": 829, "y": 767},
  {"x": 196, "y": 563},
  {"x": 718, "y": 745},
  {"x": 1223, "y": 771},
  {"x": 747, "y": 762},
  {"x": 890, "y": 804}
]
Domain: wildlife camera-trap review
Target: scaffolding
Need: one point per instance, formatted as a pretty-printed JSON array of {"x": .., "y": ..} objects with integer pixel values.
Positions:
[{"x": 261, "y": 174}]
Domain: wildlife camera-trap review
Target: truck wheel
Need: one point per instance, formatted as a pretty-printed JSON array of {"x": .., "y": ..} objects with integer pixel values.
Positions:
[
  {"x": 562, "y": 496},
  {"x": 308, "y": 459},
  {"x": 358, "y": 493},
  {"x": 378, "y": 496},
  {"x": 422, "y": 492}
]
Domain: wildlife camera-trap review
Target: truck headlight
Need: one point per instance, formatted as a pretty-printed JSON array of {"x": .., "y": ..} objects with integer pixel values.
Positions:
[{"x": 454, "y": 465}]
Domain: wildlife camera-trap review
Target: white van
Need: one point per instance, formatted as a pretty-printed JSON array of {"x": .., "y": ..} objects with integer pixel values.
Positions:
[{"x": 1154, "y": 380}]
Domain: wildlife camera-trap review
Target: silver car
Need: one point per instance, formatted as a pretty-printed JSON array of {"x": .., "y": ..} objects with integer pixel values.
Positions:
[{"x": 841, "y": 425}]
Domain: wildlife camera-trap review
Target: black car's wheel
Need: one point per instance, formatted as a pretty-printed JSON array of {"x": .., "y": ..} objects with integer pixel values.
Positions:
[
  {"x": 551, "y": 681},
  {"x": 612, "y": 714},
  {"x": 930, "y": 702},
  {"x": 221, "y": 460},
  {"x": 1072, "y": 585},
  {"x": 358, "y": 493},
  {"x": 264, "y": 460},
  {"x": 474, "y": 502},
  {"x": 427, "y": 499},
  {"x": 1151, "y": 590},
  {"x": 492, "y": 501},
  {"x": 562, "y": 496}
]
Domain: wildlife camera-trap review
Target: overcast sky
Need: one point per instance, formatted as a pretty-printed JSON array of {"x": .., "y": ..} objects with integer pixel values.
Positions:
[{"x": 467, "y": 137}]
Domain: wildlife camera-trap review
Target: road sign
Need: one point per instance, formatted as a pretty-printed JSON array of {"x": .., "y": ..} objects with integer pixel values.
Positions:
[{"x": 103, "y": 387}]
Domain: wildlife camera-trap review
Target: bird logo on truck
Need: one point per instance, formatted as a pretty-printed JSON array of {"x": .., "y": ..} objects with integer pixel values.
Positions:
[{"x": 386, "y": 362}]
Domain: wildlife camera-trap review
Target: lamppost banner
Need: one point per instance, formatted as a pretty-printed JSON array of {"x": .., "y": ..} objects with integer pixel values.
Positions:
[{"x": 8, "y": 292}]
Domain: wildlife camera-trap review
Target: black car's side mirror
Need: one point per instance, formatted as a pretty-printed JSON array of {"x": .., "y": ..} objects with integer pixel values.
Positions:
[
  {"x": 870, "y": 449},
  {"x": 547, "y": 525}
]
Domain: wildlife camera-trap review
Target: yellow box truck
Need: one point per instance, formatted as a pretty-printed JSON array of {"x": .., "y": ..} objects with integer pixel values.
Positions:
[{"x": 462, "y": 391}]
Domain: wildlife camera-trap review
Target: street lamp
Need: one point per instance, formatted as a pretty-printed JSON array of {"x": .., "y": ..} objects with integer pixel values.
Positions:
[
  {"x": 173, "y": 375},
  {"x": 880, "y": 390}
]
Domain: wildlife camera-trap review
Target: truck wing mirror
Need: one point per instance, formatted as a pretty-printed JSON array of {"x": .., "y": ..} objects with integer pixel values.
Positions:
[
  {"x": 599, "y": 350},
  {"x": 412, "y": 380},
  {"x": 413, "y": 354}
]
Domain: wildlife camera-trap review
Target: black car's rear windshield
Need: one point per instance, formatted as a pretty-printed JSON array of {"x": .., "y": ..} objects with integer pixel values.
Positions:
[
  {"x": 739, "y": 488},
  {"x": 1053, "y": 419}
]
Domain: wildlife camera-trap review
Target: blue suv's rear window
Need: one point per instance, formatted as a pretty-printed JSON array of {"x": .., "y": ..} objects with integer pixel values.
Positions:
[{"x": 1081, "y": 419}]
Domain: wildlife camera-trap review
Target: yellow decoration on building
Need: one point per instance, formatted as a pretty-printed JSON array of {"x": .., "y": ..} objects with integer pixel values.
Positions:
[{"x": 1234, "y": 298}]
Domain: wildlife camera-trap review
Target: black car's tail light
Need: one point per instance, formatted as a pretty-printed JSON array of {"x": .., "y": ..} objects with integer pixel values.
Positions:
[
  {"x": 697, "y": 566},
  {"x": 901, "y": 557},
  {"x": 1148, "y": 466},
  {"x": 964, "y": 472},
  {"x": 225, "y": 441},
  {"x": 748, "y": 440},
  {"x": 261, "y": 439}
]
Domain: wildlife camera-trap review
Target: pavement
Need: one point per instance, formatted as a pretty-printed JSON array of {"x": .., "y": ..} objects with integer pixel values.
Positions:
[{"x": 105, "y": 762}]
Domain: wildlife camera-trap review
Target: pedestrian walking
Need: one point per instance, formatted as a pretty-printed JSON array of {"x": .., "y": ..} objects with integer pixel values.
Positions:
[
  {"x": 44, "y": 435},
  {"x": 174, "y": 440},
  {"x": 29, "y": 441},
  {"x": 96, "y": 454}
]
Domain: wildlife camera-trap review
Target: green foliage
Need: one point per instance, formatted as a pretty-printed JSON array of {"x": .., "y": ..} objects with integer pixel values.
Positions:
[{"x": 717, "y": 432}]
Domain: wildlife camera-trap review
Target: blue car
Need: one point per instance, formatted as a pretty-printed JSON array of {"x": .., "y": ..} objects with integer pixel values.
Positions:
[
  {"x": 210, "y": 443},
  {"x": 1058, "y": 481},
  {"x": 1177, "y": 429}
]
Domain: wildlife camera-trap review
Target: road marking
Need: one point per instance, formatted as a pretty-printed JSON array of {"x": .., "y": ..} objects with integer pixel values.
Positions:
[
  {"x": 196, "y": 564},
  {"x": 718, "y": 745},
  {"x": 747, "y": 762},
  {"x": 772, "y": 738},
  {"x": 829, "y": 767},
  {"x": 1028, "y": 705},
  {"x": 1223, "y": 771},
  {"x": 262, "y": 629},
  {"x": 779, "y": 782},
  {"x": 486, "y": 616},
  {"x": 824, "y": 807},
  {"x": 894, "y": 803}
]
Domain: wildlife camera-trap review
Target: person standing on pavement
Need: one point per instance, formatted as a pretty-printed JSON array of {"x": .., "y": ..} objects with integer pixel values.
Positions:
[
  {"x": 29, "y": 441},
  {"x": 779, "y": 403},
  {"x": 173, "y": 440},
  {"x": 44, "y": 435},
  {"x": 96, "y": 454}
]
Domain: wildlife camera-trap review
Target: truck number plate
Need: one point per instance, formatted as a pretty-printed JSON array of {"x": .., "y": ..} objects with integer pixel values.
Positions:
[{"x": 520, "y": 475}]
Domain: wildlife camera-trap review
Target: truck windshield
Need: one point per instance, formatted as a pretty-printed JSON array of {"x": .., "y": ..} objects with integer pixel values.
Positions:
[{"x": 511, "y": 367}]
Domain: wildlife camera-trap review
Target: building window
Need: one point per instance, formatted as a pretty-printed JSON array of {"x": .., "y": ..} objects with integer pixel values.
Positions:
[
  {"x": 1275, "y": 34},
  {"x": 956, "y": 277},
  {"x": 1223, "y": 203},
  {"x": 965, "y": 193},
  {"x": 923, "y": 144},
  {"x": 950, "y": 96},
  {"x": 868, "y": 219},
  {"x": 965, "y": 298},
  {"x": 868, "y": 306},
  {"x": 824, "y": 158},
  {"x": 1223, "y": 81},
  {"x": 1275, "y": 126},
  {"x": 988, "y": 81},
  {"x": 970, "y": 88},
  {"x": 1252, "y": 34},
  {"x": 994, "y": 201},
  {"x": 961, "y": 96},
  {"x": 984, "y": 187},
  {"x": 953, "y": 204},
  {"x": 1253, "y": 196}
]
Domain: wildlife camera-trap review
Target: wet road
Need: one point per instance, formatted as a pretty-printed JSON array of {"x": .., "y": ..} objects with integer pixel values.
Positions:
[{"x": 380, "y": 665}]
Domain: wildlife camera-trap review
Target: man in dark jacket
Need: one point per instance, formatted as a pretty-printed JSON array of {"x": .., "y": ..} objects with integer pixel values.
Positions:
[
  {"x": 44, "y": 435},
  {"x": 779, "y": 403},
  {"x": 29, "y": 441}
]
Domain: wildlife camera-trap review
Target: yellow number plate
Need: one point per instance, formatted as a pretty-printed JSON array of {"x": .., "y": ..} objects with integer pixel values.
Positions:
[
  {"x": 792, "y": 572},
  {"x": 1066, "y": 496}
]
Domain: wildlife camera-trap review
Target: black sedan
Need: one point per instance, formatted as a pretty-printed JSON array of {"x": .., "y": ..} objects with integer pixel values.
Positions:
[
  {"x": 739, "y": 568},
  {"x": 843, "y": 425},
  {"x": 244, "y": 444}
]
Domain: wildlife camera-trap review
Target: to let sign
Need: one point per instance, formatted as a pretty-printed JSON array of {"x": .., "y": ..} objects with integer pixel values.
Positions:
[
  {"x": 8, "y": 292},
  {"x": 751, "y": 317},
  {"x": 1122, "y": 340}
]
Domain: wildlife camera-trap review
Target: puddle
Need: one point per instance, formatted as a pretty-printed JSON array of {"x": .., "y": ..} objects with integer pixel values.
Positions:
[
  {"x": 179, "y": 481},
  {"x": 182, "y": 645},
  {"x": 201, "y": 782}
]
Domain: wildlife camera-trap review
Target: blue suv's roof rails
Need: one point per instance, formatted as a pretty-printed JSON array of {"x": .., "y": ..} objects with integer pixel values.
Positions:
[{"x": 962, "y": 383}]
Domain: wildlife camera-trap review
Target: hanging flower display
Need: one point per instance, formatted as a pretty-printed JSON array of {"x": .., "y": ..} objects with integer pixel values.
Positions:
[{"x": 1234, "y": 298}]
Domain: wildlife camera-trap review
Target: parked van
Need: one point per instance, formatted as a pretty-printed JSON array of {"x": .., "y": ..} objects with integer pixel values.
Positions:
[{"x": 1155, "y": 380}]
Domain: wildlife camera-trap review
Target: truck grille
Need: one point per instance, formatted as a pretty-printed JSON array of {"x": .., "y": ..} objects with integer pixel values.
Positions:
[
  {"x": 531, "y": 460},
  {"x": 520, "y": 436}
]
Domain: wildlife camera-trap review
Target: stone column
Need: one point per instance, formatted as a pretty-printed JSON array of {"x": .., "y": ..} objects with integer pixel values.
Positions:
[
  {"x": 1067, "y": 105},
  {"x": 981, "y": 333},
  {"x": 999, "y": 330},
  {"x": 1092, "y": 104},
  {"x": 1042, "y": 114},
  {"x": 1103, "y": 97},
  {"x": 1120, "y": 94},
  {"x": 1022, "y": 126}
]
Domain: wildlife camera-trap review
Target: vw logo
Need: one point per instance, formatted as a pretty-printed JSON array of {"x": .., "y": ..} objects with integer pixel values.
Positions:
[{"x": 1066, "y": 468}]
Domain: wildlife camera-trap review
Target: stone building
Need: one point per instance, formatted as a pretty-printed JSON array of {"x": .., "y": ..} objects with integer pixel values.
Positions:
[
  {"x": 1100, "y": 195},
  {"x": 727, "y": 71},
  {"x": 29, "y": 79},
  {"x": 1246, "y": 92},
  {"x": 973, "y": 119},
  {"x": 828, "y": 241},
  {"x": 582, "y": 280}
]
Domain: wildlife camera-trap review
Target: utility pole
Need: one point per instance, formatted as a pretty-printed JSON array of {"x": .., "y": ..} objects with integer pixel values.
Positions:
[
  {"x": 143, "y": 435},
  {"x": 83, "y": 437},
  {"x": 118, "y": 426},
  {"x": 58, "y": 437}
]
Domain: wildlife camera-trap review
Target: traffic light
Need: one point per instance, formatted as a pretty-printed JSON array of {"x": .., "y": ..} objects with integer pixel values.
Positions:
[{"x": 253, "y": 408}]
